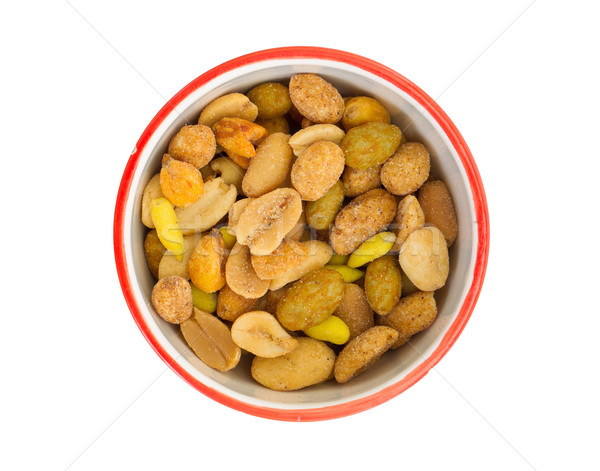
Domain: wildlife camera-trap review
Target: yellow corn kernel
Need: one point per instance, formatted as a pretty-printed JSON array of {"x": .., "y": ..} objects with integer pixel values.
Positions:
[
  {"x": 165, "y": 221},
  {"x": 228, "y": 238},
  {"x": 350, "y": 275},
  {"x": 372, "y": 248},
  {"x": 203, "y": 300},
  {"x": 333, "y": 329},
  {"x": 337, "y": 259}
]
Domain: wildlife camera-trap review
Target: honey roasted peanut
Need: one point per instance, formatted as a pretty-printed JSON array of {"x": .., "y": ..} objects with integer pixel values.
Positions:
[
  {"x": 172, "y": 299},
  {"x": 317, "y": 169},
  {"x": 194, "y": 144},
  {"x": 316, "y": 99}
]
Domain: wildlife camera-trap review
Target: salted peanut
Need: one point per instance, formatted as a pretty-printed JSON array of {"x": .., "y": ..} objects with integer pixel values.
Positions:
[
  {"x": 169, "y": 265},
  {"x": 233, "y": 105},
  {"x": 211, "y": 341},
  {"x": 210, "y": 208},
  {"x": 231, "y": 305},
  {"x": 317, "y": 169},
  {"x": 356, "y": 182},
  {"x": 311, "y": 362},
  {"x": 172, "y": 299},
  {"x": 424, "y": 258},
  {"x": 319, "y": 253},
  {"x": 228, "y": 239},
  {"x": 372, "y": 248},
  {"x": 363, "y": 217},
  {"x": 412, "y": 314},
  {"x": 355, "y": 311},
  {"x": 180, "y": 182},
  {"x": 269, "y": 168},
  {"x": 238, "y": 135},
  {"x": 311, "y": 300},
  {"x": 284, "y": 258},
  {"x": 273, "y": 298},
  {"x": 350, "y": 275},
  {"x": 235, "y": 213},
  {"x": 259, "y": 333},
  {"x": 274, "y": 125},
  {"x": 363, "y": 351},
  {"x": 383, "y": 284},
  {"x": 407, "y": 169},
  {"x": 363, "y": 109},
  {"x": 153, "y": 250},
  {"x": 203, "y": 300},
  {"x": 230, "y": 172},
  {"x": 321, "y": 213},
  {"x": 240, "y": 274},
  {"x": 266, "y": 220},
  {"x": 207, "y": 263},
  {"x": 242, "y": 162},
  {"x": 307, "y": 136},
  {"x": 165, "y": 220},
  {"x": 151, "y": 192},
  {"x": 193, "y": 144},
  {"x": 409, "y": 218},
  {"x": 297, "y": 231},
  {"x": 371, "y": 144},
  {"x": 271, "y": 98},
  {"x": 316, "y": 99},
  {"x": 333, "y": 329},
  {"x": 436, "y": 203}
]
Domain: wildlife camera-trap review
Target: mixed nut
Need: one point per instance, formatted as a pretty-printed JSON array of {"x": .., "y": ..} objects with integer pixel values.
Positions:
[{"x": 316, "y": 252}]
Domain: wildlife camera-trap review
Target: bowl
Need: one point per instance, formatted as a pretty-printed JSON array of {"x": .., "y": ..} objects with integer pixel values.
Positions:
[{"x": 423, "y": 120}]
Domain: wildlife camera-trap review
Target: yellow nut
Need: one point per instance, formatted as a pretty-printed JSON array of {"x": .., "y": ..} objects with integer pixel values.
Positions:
[
  {"x": 167, "y": 229},
  {"x": 333, "y": 329},
  {"x": 228, "y": 238},
  {"x": 203, "y": 300},
  {"x": 338, "y": 259},
  {"x": 372, "y": 248},
  {"x": 349, "y": 274}
]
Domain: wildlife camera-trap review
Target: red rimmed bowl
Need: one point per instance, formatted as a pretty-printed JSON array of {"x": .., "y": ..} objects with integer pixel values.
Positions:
[{"x": 423, "y": 120}]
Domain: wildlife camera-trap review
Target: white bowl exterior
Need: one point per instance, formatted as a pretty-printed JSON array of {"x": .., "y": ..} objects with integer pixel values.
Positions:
[{"x": 419, "y": 126}]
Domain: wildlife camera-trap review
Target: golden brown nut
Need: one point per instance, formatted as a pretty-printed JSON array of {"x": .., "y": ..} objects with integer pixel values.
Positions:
[
  {"x": 172, "y": 299},
  {"x": 284, "y": 258},
  {"x": 319, "y": 253},
  {"x": 356, "y": 182},
  {"x": 233, "y": 105},
  {"x": 317, "y": 169},
  {"x": 240, "y": 274},
  {"x": 270, "y": 167},
  {"x": 238, "y": 136},
  {"x": 361, "y": 110},
  {"x": 438, "y": 209},
  {"x": 243, "y": 162},
  {"x": 231, "y": 305},
  {"x": 311, "y": 362},
  {"x": 407, "y": 169},
  {"x": 153, "y": 250},
  {"x": 304, "y": 138},
  {"x": 316, "y": 99},
  {"x": 363, "y": 217},
  {"x": 266, "y": 220},
  {"x": 211, "y": 341},
  {"x": 411, "y": 315},
  {"x": 355, "y": 310},
  {"x": 363, "y": 351},
  {"x": 409, "y": 218},
  {"x": 207, "y": 263},
  {"x": 424, "y": 258},
  {"x": 271, "y": 98},
  {"x": 194, "y": 144},
  {"x": 180, "y": 182}
]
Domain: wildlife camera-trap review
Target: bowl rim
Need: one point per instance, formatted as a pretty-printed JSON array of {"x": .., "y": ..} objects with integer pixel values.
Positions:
[{"x": 479, "y": 201}]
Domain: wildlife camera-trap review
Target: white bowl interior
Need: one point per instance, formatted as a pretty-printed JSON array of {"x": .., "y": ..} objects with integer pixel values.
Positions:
[{"x": 419, "y": 126}]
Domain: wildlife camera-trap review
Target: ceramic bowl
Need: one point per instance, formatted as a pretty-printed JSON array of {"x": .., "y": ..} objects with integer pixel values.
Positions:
[{"x": 423, "y": 121}]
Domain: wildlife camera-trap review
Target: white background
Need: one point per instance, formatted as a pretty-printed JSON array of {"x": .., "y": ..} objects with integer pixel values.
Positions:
[{"x": 80, "y": 387}]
